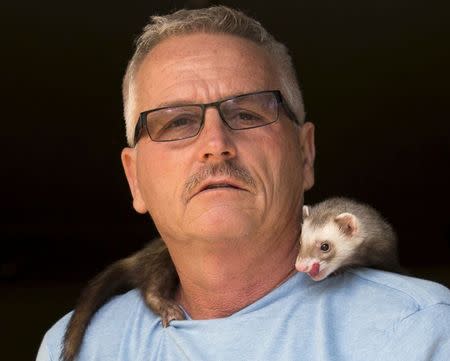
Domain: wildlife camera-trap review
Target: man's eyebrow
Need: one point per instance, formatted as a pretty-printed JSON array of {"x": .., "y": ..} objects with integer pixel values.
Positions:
[
  {"x": 175, "y": 103},
  {"x": 181, "y": 102}
]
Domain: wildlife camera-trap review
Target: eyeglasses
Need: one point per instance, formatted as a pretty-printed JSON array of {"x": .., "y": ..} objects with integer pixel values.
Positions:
[{"x": 246, "y": 111}]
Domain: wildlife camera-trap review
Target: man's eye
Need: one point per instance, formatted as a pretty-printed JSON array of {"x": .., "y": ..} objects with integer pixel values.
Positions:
[
  {"x": 246, "y": 118},
  {"x": 179, "y": 122}
]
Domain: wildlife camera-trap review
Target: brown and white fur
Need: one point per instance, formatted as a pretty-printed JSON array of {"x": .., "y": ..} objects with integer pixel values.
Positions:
[
  {"x": 355, "y": 233},
  {"x": 339, "y": 233},
  {"x": 150, "y": 270}
]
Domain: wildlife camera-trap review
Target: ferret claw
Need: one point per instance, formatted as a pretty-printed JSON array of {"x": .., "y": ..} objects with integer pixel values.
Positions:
[{"x": 171, "y": 313}]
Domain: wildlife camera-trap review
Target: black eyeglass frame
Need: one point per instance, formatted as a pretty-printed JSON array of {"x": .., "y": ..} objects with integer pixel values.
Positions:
[{"x": 142, "y": 121}]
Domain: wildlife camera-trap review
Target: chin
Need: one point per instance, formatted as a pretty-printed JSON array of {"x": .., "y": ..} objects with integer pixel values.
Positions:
[
  {"x": 320, "y": 276},
  {"x": 324, "y": 273},
  {"x": 223, "y": 225}
]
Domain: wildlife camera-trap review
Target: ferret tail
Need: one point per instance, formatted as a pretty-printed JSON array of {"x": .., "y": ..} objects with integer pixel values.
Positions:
[{"x": 116, "y": 279}]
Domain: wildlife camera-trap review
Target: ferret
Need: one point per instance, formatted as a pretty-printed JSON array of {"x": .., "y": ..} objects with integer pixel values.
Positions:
[
  {"x": 150, "y": 270},
  {"x": 336, "y": 233},
  {"x": 339, "y": 233}
]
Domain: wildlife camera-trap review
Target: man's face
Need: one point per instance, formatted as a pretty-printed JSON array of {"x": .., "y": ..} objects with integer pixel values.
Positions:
[{"x": 268, "y": 167}]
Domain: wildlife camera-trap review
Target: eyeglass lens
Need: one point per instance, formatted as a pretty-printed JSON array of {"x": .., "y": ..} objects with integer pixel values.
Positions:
[{"x": 242, "y": 112}]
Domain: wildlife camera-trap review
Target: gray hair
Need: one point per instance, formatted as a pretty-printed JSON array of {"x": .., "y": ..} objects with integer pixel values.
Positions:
[{"x": 215, "y": 19}]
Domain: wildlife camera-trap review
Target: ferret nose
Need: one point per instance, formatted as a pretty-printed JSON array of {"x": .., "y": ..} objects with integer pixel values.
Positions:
[{"x": 301, "y": 265}]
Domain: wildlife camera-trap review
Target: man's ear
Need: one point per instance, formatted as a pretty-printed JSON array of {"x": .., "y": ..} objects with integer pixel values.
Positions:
[
  {"x": 306, "y": 134},
  {"x": 128, "y": 157}
]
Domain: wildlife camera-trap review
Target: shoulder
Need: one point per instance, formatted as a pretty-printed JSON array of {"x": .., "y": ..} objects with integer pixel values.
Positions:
[
  {"x": 367, "y": 289},
  {"x": 415, "y": 292},
  {"x": 385, "y": 316},
  {"x": 106, "y": 328},
  {"x": 382, "y": 301},
  {"x": 419, "y": 311}
]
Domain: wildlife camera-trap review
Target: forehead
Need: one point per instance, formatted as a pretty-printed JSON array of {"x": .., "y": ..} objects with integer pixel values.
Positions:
[{"x": 202, "y": 68}]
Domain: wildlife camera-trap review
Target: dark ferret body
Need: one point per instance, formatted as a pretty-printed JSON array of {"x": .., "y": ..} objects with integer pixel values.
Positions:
[
  {"x": 150, "y": 270},
  {"x": 336, "y": 233}
]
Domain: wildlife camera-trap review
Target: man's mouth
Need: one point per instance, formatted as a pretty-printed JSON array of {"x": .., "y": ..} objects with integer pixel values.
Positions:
[
  {"x": 219, "y": 185},
  {"x": 227, "y": 175}
]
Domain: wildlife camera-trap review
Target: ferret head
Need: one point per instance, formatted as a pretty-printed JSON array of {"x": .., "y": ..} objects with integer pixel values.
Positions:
[{"x": 326, "y": 246}]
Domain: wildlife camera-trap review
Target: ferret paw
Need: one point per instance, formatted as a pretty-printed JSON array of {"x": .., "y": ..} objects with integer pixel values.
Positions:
[{"x": 171, "y": 312}]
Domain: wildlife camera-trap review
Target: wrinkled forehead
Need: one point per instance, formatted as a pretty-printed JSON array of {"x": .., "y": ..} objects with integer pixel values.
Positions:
[{"x": 201, "y": 68}]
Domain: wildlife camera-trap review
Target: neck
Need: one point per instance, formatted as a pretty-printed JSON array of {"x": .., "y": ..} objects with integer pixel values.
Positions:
[{"x": 220, "y": 278}]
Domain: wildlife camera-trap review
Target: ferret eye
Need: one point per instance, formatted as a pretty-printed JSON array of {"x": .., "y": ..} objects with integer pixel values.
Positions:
[{"x": 325, "y": 247}]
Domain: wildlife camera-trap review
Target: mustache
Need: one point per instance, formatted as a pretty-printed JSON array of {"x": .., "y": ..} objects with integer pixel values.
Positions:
[{"x": 226, "y": 168}]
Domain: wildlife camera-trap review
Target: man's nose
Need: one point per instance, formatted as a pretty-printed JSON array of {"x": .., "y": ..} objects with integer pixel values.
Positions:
[{"x": 216, "y": 141}]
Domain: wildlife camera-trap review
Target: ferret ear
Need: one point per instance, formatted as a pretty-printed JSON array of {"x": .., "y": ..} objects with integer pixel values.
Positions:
[
  {"x": 306, "y": 211},
  {"x": 347, "y": 223}
]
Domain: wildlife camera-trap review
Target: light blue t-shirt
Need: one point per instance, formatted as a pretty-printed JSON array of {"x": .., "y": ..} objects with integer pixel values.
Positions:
[{"x": 361, "y": 314}]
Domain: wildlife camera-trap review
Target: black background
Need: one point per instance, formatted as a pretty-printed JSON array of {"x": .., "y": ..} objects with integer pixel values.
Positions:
[{"x": 375, "y": 77}]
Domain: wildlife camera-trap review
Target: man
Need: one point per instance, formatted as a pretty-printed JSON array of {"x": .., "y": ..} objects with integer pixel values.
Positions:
[{"x": 220, "y": 158}]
